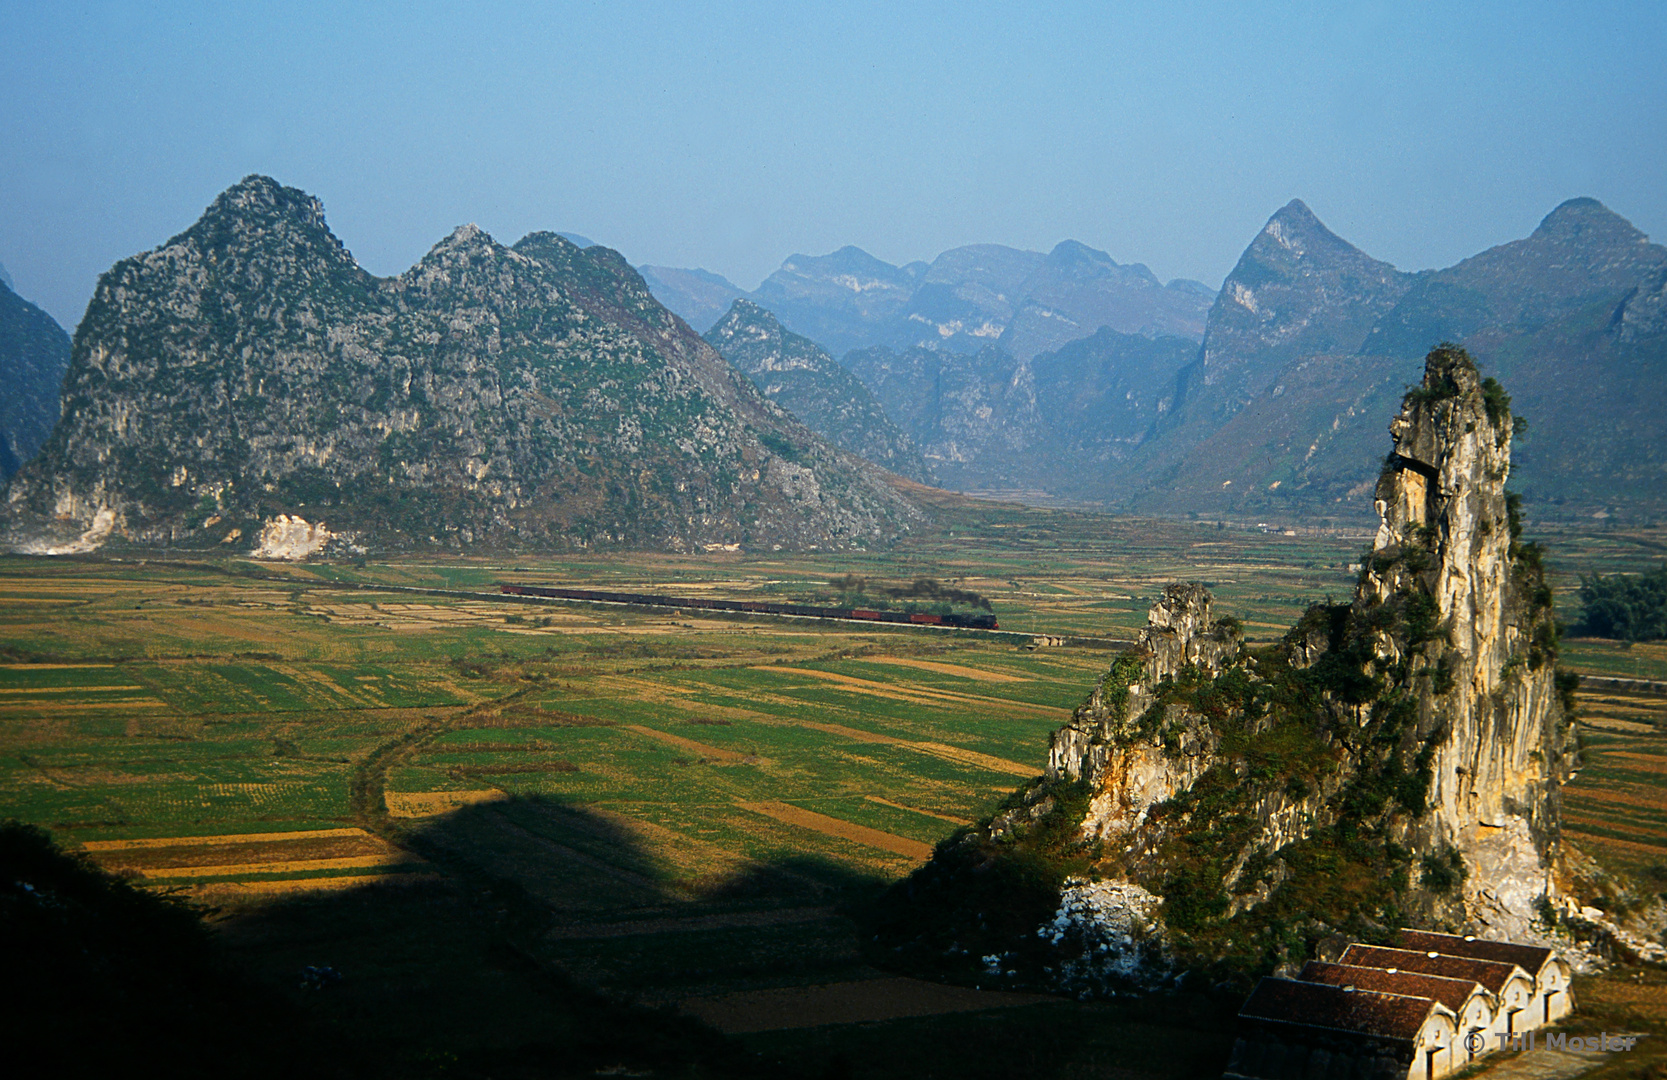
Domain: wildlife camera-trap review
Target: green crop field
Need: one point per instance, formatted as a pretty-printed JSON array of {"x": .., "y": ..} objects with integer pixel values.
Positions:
[{"x": 675, "y": 807}]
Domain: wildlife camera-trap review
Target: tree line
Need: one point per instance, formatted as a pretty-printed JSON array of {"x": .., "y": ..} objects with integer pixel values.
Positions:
[{"x": 1627, "y": 607}]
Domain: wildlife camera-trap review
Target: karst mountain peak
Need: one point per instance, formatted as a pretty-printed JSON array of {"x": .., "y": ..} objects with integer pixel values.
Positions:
[{"x": 249, "y": 374}]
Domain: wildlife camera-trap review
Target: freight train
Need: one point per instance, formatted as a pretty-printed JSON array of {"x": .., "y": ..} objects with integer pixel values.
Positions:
[{"x": 760, "y": 607}]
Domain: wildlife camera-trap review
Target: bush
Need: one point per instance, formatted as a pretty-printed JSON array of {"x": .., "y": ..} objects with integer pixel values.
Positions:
[
  {"x": 1496, "y": 401},
  {"x": 1443, "y": 874}
]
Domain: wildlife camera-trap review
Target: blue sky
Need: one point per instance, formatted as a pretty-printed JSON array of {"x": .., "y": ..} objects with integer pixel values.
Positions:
[{"x": 732, "y": 135}]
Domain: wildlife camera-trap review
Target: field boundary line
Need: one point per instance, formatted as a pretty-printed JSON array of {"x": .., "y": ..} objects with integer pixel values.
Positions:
[
  {"x": 972, "y": 757},
  {"x": 318, "y": 884},
  {"x": 228, "y": 838},
  {"x": 1639, "y": 760},
  {"x": 942, "y": 751},
  {"x": 925, "y": 695},
  {"x": 692, "y": 924},
  {"x": 957, "y": 670},
  {"x": 916, "y": 810},
  {"x": 1626, "y": 845},
  {"x": 68, "y": 689},
  {"x": 1648, "y": 687},
  {"x": 734, "y": 757},
  {"x": 831, "y": 826},
  {"x": 292, "y": 866}
]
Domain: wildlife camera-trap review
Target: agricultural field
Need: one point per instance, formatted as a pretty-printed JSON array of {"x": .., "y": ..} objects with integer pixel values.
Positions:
[{"x": 678, "y": 809}]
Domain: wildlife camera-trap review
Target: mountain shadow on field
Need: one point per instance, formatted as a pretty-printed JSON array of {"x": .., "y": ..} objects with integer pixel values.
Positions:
[{"x": 543, "y": 939}]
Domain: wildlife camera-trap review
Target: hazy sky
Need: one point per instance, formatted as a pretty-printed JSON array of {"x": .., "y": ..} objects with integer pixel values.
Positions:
[{"x": 732, "y": 135}]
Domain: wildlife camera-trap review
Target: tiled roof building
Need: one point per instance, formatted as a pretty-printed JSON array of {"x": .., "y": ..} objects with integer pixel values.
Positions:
[
  {"x": 1291, "y": 1030},
  {"x": 1550, "y": 972},
  {"x": 1472, "y": 1005},
  {"x": 1414, "y": 1013},
  {"x": 1509, "y": 984}
]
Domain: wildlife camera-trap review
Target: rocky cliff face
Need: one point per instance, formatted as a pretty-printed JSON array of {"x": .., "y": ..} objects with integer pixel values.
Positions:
[
  {"x": 1499, "y": 746},
  {"x": 34, "y": 354},
  {"x": 796, "y": 374},
  {"x": 1438, "y": 685},
  {"x": 1397, "y": 759},
  {"x": 249, "y": 370}
]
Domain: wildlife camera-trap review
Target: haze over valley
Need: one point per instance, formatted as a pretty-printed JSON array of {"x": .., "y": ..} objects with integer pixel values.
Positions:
[{"x": 877, "y": 542}]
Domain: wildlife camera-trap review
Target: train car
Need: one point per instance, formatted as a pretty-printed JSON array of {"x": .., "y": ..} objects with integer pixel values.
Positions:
[{"x": 923, "y": 619}]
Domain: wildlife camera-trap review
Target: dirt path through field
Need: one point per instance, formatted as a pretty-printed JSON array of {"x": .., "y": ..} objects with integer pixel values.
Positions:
[
  {"x": 845, "y": 830},
  {"x": 859, "y": 1002}
]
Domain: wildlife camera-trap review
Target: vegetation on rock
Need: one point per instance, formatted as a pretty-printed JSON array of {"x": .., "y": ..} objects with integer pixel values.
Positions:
[{"x": 1352, "y": 777}]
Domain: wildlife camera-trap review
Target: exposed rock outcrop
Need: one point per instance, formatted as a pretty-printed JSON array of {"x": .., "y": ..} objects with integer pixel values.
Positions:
[
  {"x": 1447, "y": 533},
  {"x": 1450, "y": 629},
  {"x": 1393, "y": 760},
  {"x": 1131, "y": 749}
]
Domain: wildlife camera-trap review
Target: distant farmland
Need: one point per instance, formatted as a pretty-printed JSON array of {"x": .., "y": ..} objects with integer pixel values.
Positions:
[{"x": 686, "y": 802}]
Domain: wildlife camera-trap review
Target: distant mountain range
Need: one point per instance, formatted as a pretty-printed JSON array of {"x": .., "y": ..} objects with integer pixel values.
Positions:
[
  {"x": 1056, "y": 426},
  {"x": 1311, "y": 344},
  {"x": 796, "y": 374},
  {"x": 34, "y": 354},
  {"x": 969, "y": 298},
  {"x": 1304, "y": 358},
  {"x": 248, "y": 380},
  {"x": 248, "y": 384}
]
